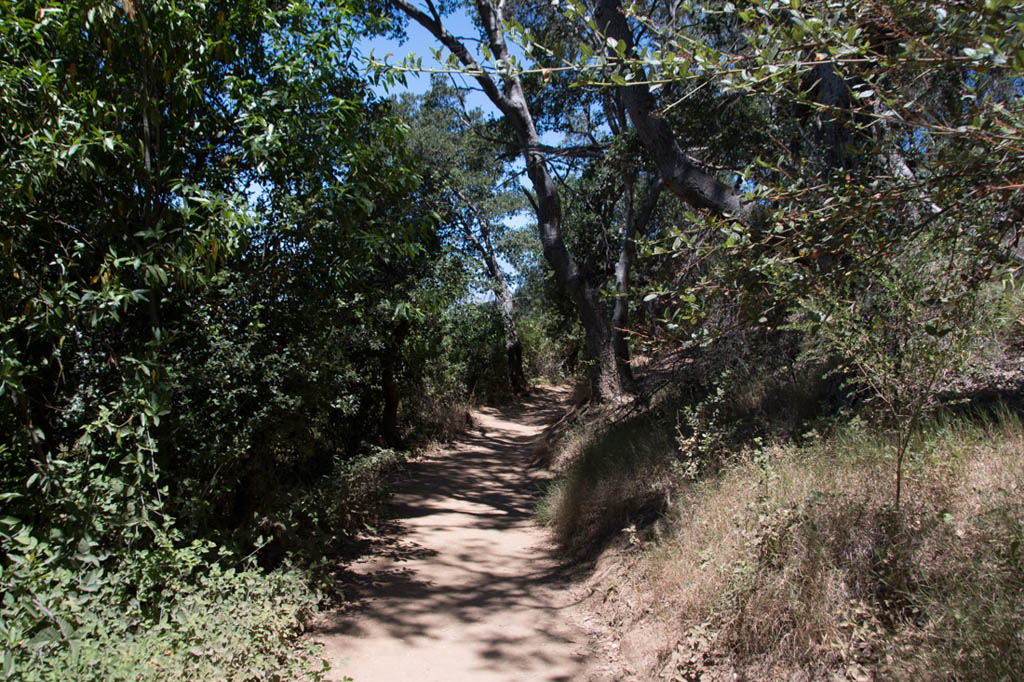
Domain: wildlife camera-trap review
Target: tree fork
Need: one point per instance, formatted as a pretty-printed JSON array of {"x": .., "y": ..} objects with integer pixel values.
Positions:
[{"x": 682, "y": 177}]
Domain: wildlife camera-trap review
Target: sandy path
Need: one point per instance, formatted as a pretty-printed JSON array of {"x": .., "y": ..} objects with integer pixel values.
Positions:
[{"x": 466, "y": 587}]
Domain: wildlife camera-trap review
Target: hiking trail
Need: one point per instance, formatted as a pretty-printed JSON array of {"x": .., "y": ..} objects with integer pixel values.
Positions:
[{"x": 464, "y": 586}]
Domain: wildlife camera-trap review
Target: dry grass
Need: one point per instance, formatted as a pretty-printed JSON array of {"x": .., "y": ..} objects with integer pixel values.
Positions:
[
  {"x": 772, "y": 552},
  {"x": 789, "y": 562},
  {"x": 798, "y": 561},
  {"x": 613, "y": 473}
]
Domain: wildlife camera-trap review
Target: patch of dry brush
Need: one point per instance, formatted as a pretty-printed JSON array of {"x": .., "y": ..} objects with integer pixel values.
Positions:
[{"x": 789, "y": 561}]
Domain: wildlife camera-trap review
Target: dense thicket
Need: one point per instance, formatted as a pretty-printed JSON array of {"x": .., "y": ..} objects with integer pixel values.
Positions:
[
  {"x": 214, "y": 256},
  {"x": 234, "y": 281}
]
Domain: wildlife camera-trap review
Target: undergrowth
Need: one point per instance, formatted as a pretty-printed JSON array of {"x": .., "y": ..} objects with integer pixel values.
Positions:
[
  {"x": 756, "y": 487},
  {"x": 789, "y": 558},
  {"x": 100, "y": 583},
  {"x": 620, "y": 466}
]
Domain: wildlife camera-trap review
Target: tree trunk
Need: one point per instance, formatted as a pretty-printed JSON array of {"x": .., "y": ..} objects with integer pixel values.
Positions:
[
  {"x": 511, "y": 101},
  {"x": 502, "y": 292},
  {"x": 620, "y": 315},
  {"x": 389, "y": 386},
  {"x": 833, "y": 137},
  {"x": 690, "y": 183},
  {"x": 513, "y": 346}
]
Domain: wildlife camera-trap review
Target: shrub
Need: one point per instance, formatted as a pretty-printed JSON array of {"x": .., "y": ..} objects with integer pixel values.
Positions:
[
  {"x": 102, "y": 586},
  {"x": 906, "y": 327}
]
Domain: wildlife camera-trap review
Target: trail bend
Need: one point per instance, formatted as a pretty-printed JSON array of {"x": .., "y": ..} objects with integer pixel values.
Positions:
[{"x": 465, "y": 587}]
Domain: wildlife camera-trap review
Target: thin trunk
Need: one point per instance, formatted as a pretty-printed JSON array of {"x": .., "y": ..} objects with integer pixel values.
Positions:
[
  {"x": 511, "y": 101},
  {"x": 620, "y": 315},
  {"x": 389, "y": 385},
  {"x": 513, "y": 346},
  {"x": 502, "y": 291}
]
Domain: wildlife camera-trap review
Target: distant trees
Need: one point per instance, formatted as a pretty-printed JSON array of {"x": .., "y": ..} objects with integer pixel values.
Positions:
[
  {"x": 506, "y": 91},
  {"x": 471, "y": 193},
  {"x": 520, "y": 101}
]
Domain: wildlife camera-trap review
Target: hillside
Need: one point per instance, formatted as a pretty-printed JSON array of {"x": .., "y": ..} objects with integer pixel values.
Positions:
[{"x": 725, "y": 544}]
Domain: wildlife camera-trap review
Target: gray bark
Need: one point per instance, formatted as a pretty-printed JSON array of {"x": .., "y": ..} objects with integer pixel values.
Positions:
[
  {"x": 502, "y": 292},
  {"x": 513, "y": 346},
  {"x": 834, "y": 138},
  {"x": 511, "y": 101},
  {"x": 680, "y": 176}
]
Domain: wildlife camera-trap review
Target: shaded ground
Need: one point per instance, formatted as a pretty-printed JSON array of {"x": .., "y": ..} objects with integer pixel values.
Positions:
[{"x": 463, "y": 586}]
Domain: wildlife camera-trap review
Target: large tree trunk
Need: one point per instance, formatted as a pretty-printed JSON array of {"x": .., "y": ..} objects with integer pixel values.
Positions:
[
  {"x": 690, "y": 183},
  {"x": 511, "y": 101}
]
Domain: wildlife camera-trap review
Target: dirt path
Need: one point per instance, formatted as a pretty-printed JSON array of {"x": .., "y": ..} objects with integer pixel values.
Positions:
[{"x": 466, "y": 587}]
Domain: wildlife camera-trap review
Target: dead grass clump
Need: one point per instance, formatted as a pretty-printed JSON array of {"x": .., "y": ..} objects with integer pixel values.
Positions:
[
  {"x": 797, "y": 560},
  {"x": 614, "y": 475}
]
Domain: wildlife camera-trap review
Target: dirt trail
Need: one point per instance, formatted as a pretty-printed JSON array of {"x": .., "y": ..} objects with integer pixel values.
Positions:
[{"x": 466, "y": 587}]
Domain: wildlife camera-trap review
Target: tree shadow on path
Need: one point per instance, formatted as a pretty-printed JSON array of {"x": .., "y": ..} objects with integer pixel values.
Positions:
[{"x": 462, "y": 580}]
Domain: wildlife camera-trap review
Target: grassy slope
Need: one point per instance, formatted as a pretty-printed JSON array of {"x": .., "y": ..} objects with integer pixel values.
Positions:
[{"x": 789, "y": 560}]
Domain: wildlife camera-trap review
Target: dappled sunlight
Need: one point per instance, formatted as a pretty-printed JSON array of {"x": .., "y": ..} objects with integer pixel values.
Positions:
[{"x": 462, "y": 584}]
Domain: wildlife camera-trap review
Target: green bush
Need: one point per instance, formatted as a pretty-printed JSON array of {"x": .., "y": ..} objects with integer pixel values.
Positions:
[
  {"x": 330, "y": 512},
  {"x": 102, "y": 586},
  {"x": 474, "y": 366}
]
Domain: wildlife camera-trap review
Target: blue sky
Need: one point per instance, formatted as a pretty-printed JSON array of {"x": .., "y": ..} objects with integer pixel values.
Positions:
[{"x": 420, "y": 43}]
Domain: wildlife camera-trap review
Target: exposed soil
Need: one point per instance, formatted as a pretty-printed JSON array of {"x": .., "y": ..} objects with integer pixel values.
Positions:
[{"x": 464, "y": 585}]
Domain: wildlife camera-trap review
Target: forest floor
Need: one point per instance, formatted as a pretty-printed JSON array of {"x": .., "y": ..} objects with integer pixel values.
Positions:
[{"x": 463, "y": 584}]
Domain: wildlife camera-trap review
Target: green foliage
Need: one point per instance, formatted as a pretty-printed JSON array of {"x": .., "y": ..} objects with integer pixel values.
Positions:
[
  {"x": 550, "y": 330},
  {"x": 197, "y": 304},
  {"x": 103, "y": 586},
  {"x": 474, "y": 354},
  {"x": 907, "y": 332},
  {"x": 881, "y": 196},
  {"x": 333, "y": 509},
  {"x": 547, "y": 347}
]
